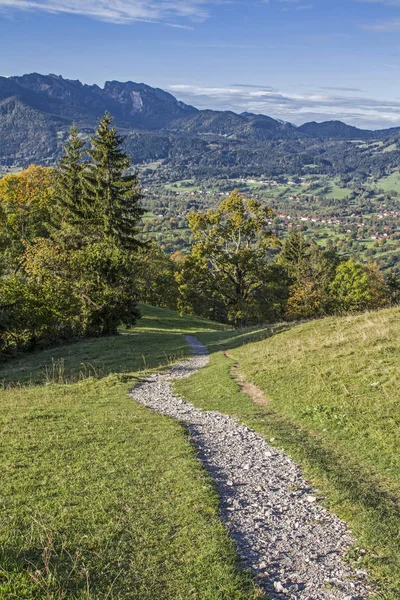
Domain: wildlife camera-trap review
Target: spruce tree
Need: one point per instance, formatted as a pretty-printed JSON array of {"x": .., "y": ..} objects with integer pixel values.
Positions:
[
  {"x": 295, "y": 253},
  {"x": 112, "y": 196},
  {"x": 71, "y": 206}
]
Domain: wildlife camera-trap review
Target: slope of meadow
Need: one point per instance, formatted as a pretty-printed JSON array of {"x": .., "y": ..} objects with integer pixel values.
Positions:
[
  {"x": 331, "y": 400},
  {"x": 99, "y": 497},
  {"x": 102, "y": 499}
]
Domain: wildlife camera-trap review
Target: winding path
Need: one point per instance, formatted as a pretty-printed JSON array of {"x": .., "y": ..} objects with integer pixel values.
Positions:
[{"x": 292, "y": 545}]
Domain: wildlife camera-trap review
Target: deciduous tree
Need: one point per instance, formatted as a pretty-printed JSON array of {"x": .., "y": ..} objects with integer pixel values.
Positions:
[
  {"x": 26, "y": 201},
  {"x": 230, "y": 264},
  {"x": 359, "y": 287}
]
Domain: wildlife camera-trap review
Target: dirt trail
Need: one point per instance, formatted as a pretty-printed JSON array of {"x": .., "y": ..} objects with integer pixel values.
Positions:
[{"x": 251, "y": 390}]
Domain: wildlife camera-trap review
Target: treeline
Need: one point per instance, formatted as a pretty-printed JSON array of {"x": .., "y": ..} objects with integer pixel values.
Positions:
[
  {"x": 238, "y": 271},
  {"x": 74, "y": 261},
  {"x": 68, "y": 237}
]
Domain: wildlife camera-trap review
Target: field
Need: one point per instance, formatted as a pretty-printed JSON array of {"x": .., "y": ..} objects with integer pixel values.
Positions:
[
  {"x": 332, "y": 402},
  {"x": 391, "y": 183},
  {"x": 148, "y": 216},
  {"x": 186, "y": 185},
  {"x": 334, "y": 191},
  {"x": 100, "y": 498}
]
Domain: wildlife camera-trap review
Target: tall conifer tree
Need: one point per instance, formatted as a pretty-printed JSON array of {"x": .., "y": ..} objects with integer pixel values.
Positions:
[
  {"x": 69, "y": 188},
  {"x": 113, "y": 197}
]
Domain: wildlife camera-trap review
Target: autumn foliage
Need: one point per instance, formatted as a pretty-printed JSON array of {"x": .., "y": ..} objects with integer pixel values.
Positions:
[{"x": 71, "y": 263}]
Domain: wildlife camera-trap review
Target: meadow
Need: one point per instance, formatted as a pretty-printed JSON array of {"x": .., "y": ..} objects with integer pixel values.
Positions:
[
  {"x": 100, "y": 498},
  {"x": 391, "y": 183},
  {"x": 331, "y": 401}
]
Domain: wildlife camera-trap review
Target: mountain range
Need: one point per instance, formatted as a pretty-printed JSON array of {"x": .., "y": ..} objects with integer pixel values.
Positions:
[{"x": 36, "y": 112}]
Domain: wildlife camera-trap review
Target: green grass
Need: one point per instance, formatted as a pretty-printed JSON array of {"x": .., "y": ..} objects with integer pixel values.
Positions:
[
  {"x": 155, "y": 341},
  {"x": 149, "y": 216},
  {"x": 336, "y": 192},
  {"x": 390, "y": 148},
  {"x": 99, "y": 497},
  {"x": 333, "y": 387},
  {"x": 185, "y": 185},
  {"x": 390, "y": 183}
]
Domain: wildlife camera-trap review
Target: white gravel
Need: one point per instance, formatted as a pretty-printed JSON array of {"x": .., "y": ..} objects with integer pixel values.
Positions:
[{"x": 292, "y": 545}]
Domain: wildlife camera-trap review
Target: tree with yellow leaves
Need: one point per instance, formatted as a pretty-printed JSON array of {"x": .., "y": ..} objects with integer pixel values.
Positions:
[
  {"x": 229, "y": 274},
  {"x": 26, "y": 199}
]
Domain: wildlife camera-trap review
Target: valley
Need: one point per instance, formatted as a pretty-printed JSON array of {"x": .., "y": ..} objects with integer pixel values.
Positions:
[
  {"x": 356, "y": 218},
  {"x": 340, "y": 185}
]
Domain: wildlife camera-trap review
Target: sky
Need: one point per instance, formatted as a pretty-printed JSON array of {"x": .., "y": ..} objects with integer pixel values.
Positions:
[{"x": 295, "y": 60}]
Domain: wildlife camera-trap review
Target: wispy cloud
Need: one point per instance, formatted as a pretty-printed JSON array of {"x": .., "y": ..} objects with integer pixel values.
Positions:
[
  {"x": 295, "y": 107},
  {"x": 384, "y": 26},
  {"x": 386, "y": 2},
  {"x": 120, "y": 11},
  {"x": 266, "y": 88},
  {"x": 340, "y": 89}
]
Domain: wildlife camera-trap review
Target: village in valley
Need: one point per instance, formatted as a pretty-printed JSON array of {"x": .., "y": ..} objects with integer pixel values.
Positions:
[{"x": 357, "y": 218}]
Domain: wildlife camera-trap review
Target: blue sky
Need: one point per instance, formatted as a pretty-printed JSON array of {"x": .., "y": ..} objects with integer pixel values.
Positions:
[{"x": 296, "y": 60}]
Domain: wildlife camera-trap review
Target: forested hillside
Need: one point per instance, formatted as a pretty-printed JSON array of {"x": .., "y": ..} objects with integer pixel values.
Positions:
[{"x": 36, "y": 112}]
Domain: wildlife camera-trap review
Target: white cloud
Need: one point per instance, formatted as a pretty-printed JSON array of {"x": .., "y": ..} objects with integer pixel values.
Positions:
[
  {"x": 386, "y": 2},
  {"x": 295, "y": 107},
  {"x": 119, "y": 11},
  {"x": 384, "y": 26}
]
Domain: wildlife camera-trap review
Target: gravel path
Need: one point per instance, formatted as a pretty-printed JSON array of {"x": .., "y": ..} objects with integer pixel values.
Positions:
[{"x": 292, "y": 545}]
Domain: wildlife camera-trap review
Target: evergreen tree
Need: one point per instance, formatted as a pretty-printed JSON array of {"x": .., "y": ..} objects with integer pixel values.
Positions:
[
  {"x": 311, "y": 271},
  {"x": 295, "y": 253},
  {"x": 111, "y": 195},
  {"x": 69, "y": 191}
]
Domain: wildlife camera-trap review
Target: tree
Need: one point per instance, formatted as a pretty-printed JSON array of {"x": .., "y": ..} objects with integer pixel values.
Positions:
[
  {"x": 295, "y": 252},
  {"x": 99, "y": 213},
  {"x": 311, "y": 271},
  {"x": 111, "y": 196},
  {"x": 230, "y": 263},
  {"x": 393, "y": 283},
  {"x": 155, "y": 277},
  {"x": 105, "y": 284},
  {"x": 69, "y": 181},
  {"x": 80, "y": 280},
  {"x": 38, "y": 305},
  {"x": 359, "y": 287},
  {"x": 26, "y": 201}
]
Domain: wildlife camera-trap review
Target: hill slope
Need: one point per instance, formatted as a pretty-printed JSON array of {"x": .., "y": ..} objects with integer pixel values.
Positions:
[
  {"x": 330, "y": 398},
  {"x": 100, "y": 497}
]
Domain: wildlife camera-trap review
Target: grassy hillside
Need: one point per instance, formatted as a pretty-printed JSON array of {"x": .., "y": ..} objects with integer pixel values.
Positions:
[
  {"x": 155, "y": 341},
  {"x": 100, "y": 498},
  {"x": 331, "y": 399}
]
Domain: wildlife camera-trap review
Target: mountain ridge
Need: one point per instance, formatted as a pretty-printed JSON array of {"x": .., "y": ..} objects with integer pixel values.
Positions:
[{"x": 37, "y": 110}]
